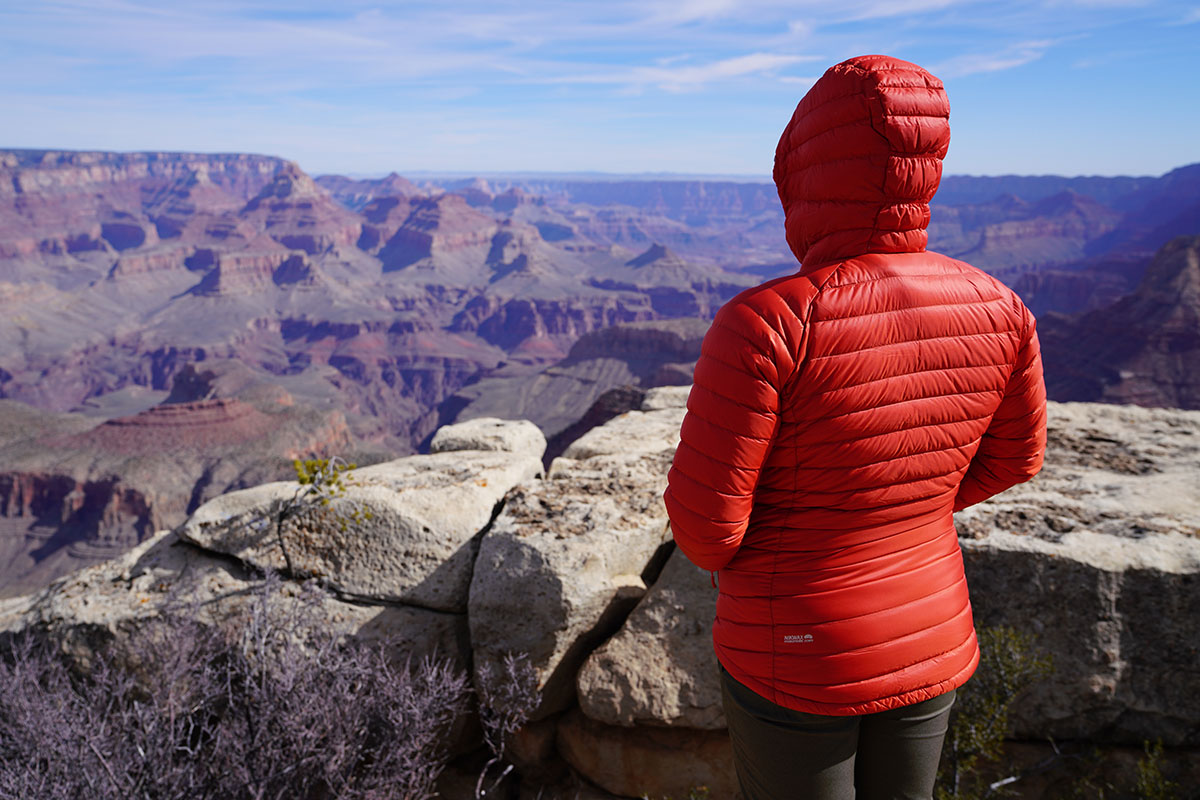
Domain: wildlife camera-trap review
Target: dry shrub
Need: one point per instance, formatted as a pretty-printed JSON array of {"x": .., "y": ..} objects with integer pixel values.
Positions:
[{"x": 277, "y": 708}]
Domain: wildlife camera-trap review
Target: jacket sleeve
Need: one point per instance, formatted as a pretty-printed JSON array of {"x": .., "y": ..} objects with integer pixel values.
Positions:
[
  {"x": 1012, "y": 448},
  {"x": 728, "y": 429}
]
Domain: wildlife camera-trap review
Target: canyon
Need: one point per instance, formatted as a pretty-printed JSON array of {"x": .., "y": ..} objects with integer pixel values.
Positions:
[{"x": 248, "y": 314}]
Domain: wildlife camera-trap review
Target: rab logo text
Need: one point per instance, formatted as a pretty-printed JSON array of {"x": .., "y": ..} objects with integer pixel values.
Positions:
[{"x": 797, "y": 638}]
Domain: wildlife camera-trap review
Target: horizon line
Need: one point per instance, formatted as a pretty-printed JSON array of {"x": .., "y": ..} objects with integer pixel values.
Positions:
[{"x": 597, "y": 175}]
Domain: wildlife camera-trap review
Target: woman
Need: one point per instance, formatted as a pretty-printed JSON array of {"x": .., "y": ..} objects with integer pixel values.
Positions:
[{"x": 838, "y": 417}]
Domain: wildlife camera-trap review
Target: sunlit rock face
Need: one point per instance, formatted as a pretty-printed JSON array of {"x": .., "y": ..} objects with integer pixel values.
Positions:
[{"x": 1143, "y": 349}]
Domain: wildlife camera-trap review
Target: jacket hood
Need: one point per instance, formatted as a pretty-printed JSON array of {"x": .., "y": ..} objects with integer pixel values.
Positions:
[{"x": 860, "y": 160}]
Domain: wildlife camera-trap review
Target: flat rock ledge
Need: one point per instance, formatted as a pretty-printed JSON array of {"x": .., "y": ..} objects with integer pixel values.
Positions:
[
  {"x": 1099, "y": 556},
  {"x": 108, "y": 603},
  {"x": 410, "y": 525},
  {"x": 1120, "y": 616}
]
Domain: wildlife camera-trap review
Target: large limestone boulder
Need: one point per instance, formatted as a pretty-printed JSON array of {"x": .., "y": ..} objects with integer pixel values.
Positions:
[
  {"x": 413, "y": 522},
  {"x": 1099, "y": 556},
  {"x": 660, "y": 668},
  {"x": 489, "y": 433},
  {"x": 1120, "y": 617},
  {"x": 652, "y": 429},
  {"x": 108, "y": 603},
  {"x": 568, "y": 557}
]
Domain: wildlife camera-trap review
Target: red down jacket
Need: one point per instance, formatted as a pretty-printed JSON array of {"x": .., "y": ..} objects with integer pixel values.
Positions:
[{"x": 840, "y": 415}]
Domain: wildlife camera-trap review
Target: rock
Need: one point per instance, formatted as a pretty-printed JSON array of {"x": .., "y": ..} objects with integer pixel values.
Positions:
[
  {"x": 489, "y": 433},
  {"x": 1118, "y": 616},
  {"x": 632, "y": 432},
  {"x": 666, "y": 397},
  {"x": 112, "y": 601},
  {"x": 660, "y": 668},
  {"x": 654, "y": 762},
  {"x": 412, "y": 540},
  {"x": 567, "y": 558},
  {"x": 1120, "y": 470},
  {"x": 1099, "y": 556}
]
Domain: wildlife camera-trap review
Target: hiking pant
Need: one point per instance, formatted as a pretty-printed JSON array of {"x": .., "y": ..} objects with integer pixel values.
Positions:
[{"x": 783, "y": 754}]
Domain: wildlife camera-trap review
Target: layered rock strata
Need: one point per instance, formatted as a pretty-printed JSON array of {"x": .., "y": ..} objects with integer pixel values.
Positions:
[
  {"x": 1143, "y": 349},
  {"x": 75, "y": 490}
]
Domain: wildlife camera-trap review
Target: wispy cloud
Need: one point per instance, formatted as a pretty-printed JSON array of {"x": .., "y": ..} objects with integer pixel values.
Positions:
[
  {"x": 1016, "y": 55},
  {"x": 676, "y": 77},
  {"x": 683, "y": 11}
]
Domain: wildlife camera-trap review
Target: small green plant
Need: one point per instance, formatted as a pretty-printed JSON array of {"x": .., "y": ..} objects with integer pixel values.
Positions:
[
  {"x": 1151, "y": 783},
  {"x": 1008, "y": 663},
  {"x": 321, "y": 480}
]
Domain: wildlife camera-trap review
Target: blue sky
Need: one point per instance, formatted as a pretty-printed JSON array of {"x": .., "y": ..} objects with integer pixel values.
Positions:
[{"x": 1066, "y": 87}]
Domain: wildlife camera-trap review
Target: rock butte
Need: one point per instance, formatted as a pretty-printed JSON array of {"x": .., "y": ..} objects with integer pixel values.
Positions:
[{"x": 1098, "y": 556}]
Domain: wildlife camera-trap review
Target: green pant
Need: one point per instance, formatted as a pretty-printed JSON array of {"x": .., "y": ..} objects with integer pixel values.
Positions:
[{"x": 783, "y": 754}]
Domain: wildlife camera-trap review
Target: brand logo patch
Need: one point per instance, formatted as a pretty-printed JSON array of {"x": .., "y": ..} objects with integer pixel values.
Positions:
[{"x": 797, "y": 638}]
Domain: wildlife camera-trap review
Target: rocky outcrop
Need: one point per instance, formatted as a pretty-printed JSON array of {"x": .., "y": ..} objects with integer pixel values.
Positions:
[
  {"x": 212, "y": 562},
  {"x": 1143, "y": 349},
  {"x": 357, "y": 195},
  {"x": 1054, "y": 230},
  {"x": 521, "y": 324},
  {"x": 637, "y": 354},
  {"x": 581, "y": 545},
  {"x": 78, "y": 201},
  {"x": 1073, "y": 291},
  {"x": 402, "y": 531},
  {"x": 1097, "y": 557},
  {"x": 435, "y": 231},
  {"x": 384, "y": 216},
  {"x": 300, "y": 215},
  {"x": 108, "y": 604}
]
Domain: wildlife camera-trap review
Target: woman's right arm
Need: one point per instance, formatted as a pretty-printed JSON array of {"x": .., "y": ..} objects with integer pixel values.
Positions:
[{"x": 726, "y": 434}]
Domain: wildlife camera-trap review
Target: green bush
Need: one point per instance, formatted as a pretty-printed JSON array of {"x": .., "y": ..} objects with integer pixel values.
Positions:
[{"x": 1008, "y": 663}]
